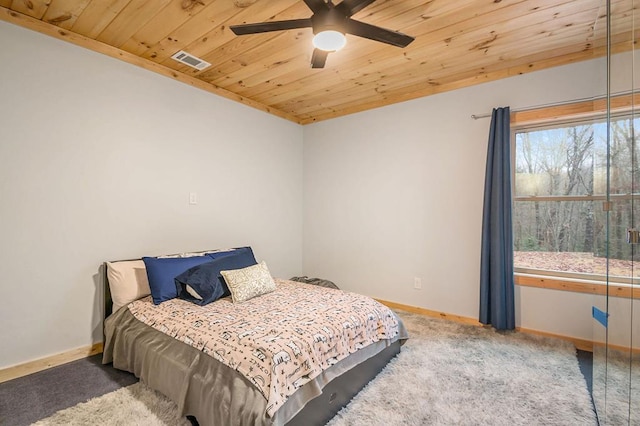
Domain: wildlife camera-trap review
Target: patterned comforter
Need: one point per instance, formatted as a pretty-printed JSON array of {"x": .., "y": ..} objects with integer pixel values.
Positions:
[{"x": 278, "y": 341}]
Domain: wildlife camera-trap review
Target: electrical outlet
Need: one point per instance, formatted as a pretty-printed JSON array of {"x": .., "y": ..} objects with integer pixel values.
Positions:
[{"x": 417, "y": 283}]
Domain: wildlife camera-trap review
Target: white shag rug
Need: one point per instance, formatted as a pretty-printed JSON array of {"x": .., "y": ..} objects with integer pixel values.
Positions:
[
  {"x": 134, "y": 405},
  {"x": 454, "y": 374},
  {"x": 618, "y": 400},
  {"x": 446, "y": 374}
]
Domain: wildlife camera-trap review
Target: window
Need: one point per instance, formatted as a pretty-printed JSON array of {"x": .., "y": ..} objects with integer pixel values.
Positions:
[{"x": 560, "y": 187}]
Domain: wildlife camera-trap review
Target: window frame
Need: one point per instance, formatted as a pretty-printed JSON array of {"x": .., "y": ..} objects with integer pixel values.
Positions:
[{"x": 552, "y": 117}]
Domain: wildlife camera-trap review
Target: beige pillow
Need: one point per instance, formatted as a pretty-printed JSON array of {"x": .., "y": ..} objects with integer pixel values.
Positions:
[
  {"x": 247, "y": 283},
  {"x": 128, "y": 282}
]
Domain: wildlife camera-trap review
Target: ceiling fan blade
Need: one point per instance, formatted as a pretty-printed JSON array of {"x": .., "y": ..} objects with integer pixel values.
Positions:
[
  {"x": 372, "y": 32},
  {"x": 316, "y": 5},
  {"x": 351, "y": 7},
  {"x": 319, "y": 58},
  {"x": 265, "y": 27}
]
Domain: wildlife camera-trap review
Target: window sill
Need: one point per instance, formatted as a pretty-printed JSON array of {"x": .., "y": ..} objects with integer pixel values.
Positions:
[{"x": 578, "y": 286}]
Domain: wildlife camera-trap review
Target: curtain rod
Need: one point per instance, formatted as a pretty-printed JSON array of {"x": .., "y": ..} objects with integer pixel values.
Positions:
[{"x": 554, "y": 104}]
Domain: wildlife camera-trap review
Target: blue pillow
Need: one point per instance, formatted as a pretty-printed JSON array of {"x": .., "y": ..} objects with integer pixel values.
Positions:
[
  {"x": 161, "y": 274},
  {"x": 245, "y": 257},
  {"x": 206, "y": 281}
]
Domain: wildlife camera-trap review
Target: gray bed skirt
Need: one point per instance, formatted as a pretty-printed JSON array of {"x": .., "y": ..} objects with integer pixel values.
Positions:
[{"x": 207, "y": 389}]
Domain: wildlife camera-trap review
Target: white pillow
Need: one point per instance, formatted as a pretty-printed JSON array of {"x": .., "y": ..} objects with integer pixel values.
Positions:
[
  {"x": 247, "y": 283},
  {"x": 192, "y": 292},
  {"x": 128, "y": 282},
  {"x": 193, "y": 253},
  {"x": 172, "y": 256}
]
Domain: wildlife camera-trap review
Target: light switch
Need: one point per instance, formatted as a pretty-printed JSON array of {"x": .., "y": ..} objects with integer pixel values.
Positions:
[
  {"x": 193, "y": 198},
  {"x": 417, "y": 283}
]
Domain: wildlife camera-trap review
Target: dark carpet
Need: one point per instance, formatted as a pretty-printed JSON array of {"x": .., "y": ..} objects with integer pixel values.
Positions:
[
  {"x": 34, "y": 397},
  {"x": 28, "y": 399}
]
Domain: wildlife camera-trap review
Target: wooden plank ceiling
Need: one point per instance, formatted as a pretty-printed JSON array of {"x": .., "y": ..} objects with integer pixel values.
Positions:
[{"x": 457, "y": 43}]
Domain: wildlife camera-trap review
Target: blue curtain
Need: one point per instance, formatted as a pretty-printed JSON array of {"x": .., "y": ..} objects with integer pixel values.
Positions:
[{"x": 497, "y": 306}]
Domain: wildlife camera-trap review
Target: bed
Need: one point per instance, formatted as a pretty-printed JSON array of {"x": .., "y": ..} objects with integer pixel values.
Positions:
[{"x": 294, "y": 354}]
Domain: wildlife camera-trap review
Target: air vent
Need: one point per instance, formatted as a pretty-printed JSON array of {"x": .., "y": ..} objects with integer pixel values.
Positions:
[{"x": 191, "y": 60}]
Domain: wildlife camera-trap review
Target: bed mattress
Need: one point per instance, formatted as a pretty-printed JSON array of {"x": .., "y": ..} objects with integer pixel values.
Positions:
[{"x": 215, "y": 381}]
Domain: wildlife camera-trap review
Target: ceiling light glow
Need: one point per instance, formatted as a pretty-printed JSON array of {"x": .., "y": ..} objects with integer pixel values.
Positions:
[{"x": 329, "y": 40}]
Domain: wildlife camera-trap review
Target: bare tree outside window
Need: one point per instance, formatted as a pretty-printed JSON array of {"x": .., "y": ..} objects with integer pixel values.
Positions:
[{"x": 560, "y": 185}]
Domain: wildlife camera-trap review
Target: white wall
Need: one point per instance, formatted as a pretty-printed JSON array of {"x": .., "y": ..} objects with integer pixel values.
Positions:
[
  {"x": 97, "y": 160},
  {"x": 396, "y": 193}
]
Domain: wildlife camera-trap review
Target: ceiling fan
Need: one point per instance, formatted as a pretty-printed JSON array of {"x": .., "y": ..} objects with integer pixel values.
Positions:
[{"x": 330, "y": 22}]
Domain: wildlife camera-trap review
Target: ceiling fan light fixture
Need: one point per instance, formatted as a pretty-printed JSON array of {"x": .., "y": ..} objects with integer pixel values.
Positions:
[
  {"x": 329, "y": 40},
  {"x": 329, "y": 23}
]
